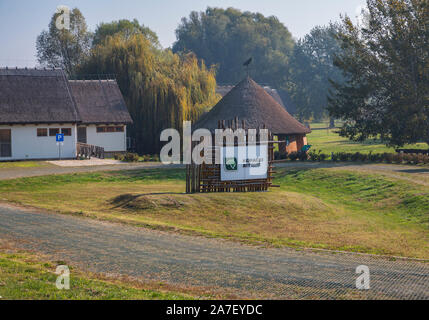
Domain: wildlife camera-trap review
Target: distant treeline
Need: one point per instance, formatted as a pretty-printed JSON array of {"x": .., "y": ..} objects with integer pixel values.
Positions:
[
  {"x": 161, "y": 89},
  {"x": 373, "y": 76}
]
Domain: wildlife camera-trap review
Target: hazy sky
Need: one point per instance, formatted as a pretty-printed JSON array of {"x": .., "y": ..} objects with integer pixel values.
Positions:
[{"x": 22, "y": 20}]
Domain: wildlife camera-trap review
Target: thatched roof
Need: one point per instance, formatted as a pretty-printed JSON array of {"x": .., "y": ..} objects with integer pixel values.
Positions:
[
  {"x": 223, "y": 91},
  {"x": 249, "y": 101},
  {"x": 46, "y": 96},
  {"x": 35, "y": 96},
  {"x": 99, "y": 101}
]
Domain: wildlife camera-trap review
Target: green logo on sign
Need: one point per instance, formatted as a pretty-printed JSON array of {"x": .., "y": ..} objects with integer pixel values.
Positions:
[{"x": 231, "y": 164}]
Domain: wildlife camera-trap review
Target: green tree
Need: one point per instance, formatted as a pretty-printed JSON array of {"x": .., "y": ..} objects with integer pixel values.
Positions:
[
  {"x": 161, "y": 89},
  {"x": 227, "y": 38},
  {"x": 65, "y": 49},
  {"x": 312, "y": 66},
  {"x": 126, "y": 27},
  {"x": 387, "y": 66}
]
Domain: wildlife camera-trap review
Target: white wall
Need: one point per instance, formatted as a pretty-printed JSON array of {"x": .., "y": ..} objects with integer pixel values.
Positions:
[
  {"x": 110, "y": 141},
  {"x": 27, "y": 145}
]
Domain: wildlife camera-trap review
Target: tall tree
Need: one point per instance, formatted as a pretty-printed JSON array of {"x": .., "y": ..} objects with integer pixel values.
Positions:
[
  {"x": 125, "y": 27},
  {"x": 227, "y": 38},
  {"x": 312, "y": 66},
  {"x": 387, "y": 66},
  {"x": 161, "y": 88},
  {"x": 64, "y": 48}
]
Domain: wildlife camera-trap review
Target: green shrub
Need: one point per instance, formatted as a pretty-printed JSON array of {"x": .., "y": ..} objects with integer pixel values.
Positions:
[
  {"x": 314, "y": 156},
  {"x": 388, "y": 157},
  {"x": 317, "y": 156},
  {"x": 118, "y": 156},
  {"x": 131, "y": 157},
  {"x": 303, "y": 156},
  {"x": 398, "y": 158},
  {"x": 293, "y": 156},
  {"x": 356, "y": 156},
  {"x": 375, "y": 157},
  {"x": 344, "y": 156}
]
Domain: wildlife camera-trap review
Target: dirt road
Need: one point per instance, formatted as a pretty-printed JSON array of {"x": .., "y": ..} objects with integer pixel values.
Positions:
[{"x": 199, "y": 262}]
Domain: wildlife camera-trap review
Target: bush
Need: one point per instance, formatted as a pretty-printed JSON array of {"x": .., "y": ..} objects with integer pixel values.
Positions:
[
  {"x": 293, "y": 156},
  {"x": 280, "y": 156},
  {"x": 375, "y": 157},
  {"x": 388, "y": 157},
  {"x": 118, "y": 156},
  {"x": 408, "y": 158},
  {"x": 340, "y": 156},
  {"x": 314, "y": 156},
  {"x": 356, "y": 156},
  {"x": 343, "y": 156},
  {"x": 317, "y": 156},
  {"x": 148, "y": 157},
  {"x": 128, "y": 157},
  {"x": 398, "y": 158},
  {"x": 303, "y": 156}
]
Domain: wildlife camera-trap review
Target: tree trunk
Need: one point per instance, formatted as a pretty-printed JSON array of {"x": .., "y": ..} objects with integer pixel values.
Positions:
[{"x": 331, "y": 123}]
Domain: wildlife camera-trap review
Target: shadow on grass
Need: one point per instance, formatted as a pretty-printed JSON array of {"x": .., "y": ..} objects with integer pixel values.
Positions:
[
  {"x": 414, "y": 171},
  {"x": 142, "y": 201},
  {"x": 152, "y": 174}
]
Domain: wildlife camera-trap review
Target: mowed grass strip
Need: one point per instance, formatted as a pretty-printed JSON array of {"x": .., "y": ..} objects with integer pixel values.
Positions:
[
  {"x": 328, "y": 140},
  {"x": 22, "y": 164},
  {"x": 317, "y": 208},
  {"x": 24, "y": 276}
]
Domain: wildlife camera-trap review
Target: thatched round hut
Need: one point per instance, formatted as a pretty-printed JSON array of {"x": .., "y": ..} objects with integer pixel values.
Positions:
[{"x": 250, "y": 102}]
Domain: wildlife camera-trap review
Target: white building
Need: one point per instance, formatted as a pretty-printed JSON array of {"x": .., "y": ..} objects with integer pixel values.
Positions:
[{"x": 35, "y": 105}]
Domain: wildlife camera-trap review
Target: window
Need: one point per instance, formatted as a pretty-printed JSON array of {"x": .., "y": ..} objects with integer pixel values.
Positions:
[
  {"x": 42, "y": 132},
  {"x": 66, "y": 131},
  {"x": 110, "y": 129},
  {"x": 5, "y": 143},
  {"x": 53, "y": 132}
]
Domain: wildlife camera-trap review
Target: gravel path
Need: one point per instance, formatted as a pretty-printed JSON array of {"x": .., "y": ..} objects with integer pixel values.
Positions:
[{"x": 191, "y": 261}]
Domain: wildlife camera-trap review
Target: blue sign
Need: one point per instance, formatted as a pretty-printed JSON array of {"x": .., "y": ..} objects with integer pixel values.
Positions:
[
  {"x": 60, "y": 137},
  {"x": 306, "y": 148}
]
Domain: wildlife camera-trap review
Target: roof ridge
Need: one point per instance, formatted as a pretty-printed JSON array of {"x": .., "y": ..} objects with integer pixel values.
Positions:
[{"x": 250, "y": 102}]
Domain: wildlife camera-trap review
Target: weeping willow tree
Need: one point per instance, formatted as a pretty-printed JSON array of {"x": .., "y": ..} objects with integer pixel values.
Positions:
[{"x": 161, "y": 88}]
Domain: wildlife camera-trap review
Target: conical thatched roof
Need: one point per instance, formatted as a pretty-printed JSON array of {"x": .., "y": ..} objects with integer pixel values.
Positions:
[{"x": 249, "y": 101}]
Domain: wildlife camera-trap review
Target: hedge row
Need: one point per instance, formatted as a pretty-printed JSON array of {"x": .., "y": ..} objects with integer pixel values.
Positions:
[
  {"x": 412, "y": 158},
  {"x": 134, "y": 157}
]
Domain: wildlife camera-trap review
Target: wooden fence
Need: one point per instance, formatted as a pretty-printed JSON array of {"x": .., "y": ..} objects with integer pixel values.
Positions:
[
  {"x": 207, "y": 177},
  {"x": 87, "y": 151}
]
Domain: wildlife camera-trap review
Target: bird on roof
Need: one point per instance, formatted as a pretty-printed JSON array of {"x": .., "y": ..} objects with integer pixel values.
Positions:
[
  {"x": 249, "y": 61},
  {"x": 246, "y": 64}
]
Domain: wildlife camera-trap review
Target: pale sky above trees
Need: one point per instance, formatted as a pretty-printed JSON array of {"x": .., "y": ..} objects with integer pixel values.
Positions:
[{"x": 21, "y": 21}]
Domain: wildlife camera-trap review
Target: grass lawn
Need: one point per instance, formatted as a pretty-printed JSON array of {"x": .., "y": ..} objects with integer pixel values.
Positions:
[
  {"x": 26, "y": 276},
  {"x": 22, "y": 164},
  {"x": 320, "y": 208},
  {"x": 329, "y": 141}
]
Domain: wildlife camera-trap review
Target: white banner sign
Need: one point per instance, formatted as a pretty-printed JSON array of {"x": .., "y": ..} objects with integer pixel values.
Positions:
[{"x": 244, "y": 163}]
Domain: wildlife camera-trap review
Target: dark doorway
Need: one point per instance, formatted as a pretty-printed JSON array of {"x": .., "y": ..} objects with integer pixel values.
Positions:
[
  {"x": 5, "y": 143},
  {"x": 81, "y": 134}
]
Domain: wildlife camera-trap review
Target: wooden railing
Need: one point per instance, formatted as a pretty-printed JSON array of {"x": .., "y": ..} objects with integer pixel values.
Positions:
[{"x": 87, "y": 151}]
